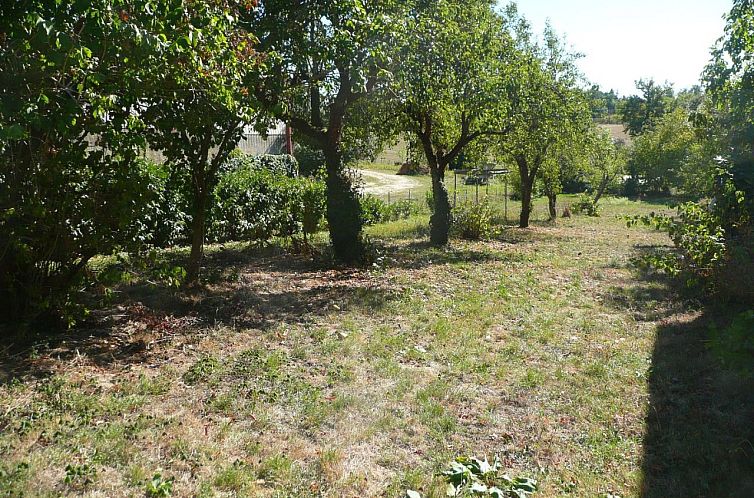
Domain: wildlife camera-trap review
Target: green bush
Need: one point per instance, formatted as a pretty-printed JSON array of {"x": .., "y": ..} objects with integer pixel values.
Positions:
[
  {"x": 313, "y": 206},
  {"x": 585, "y": 205},
  {"x": 374, "y": 210},
  {"x": 56, "y": 216},
  {"x": 473, "y": 221},
  {"x": 260, "y": 197},
  {"x": 283, "y": 165},
  {"x": 713, "y": 241},
  {"x": 311, "y": 161},
  {"x": 401, "y": 210}
]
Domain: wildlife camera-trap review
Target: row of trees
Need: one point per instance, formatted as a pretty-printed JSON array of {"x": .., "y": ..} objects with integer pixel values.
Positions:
[{"x": 86, "y": 86}]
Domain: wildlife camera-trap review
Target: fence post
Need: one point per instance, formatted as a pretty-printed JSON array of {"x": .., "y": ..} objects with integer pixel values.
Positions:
[
  {"x": 455, "y": 188},
  {"x": 409, "y": 195},
  {"x": 506, "y": 199},
  {"x": 388, "y": 197}
]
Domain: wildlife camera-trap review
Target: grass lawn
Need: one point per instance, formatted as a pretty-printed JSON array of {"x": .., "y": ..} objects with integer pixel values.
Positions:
[{"x": 287, "y": 376}]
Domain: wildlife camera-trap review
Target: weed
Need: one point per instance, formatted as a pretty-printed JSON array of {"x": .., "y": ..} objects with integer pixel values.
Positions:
[{"x": 159, "y": 487}]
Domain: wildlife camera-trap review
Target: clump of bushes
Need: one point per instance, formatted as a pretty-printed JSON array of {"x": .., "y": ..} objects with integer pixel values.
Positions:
[
  {"x": 281, "y": 165},
  {"x": 473, "y": 221},
  {"x": 713, "y": 241},
  {"x": 311, "y": 162},
  {"x": 374, "y": 210},
  {"x": 54, "y": 219},
  {"x": 585, "y": 205}
]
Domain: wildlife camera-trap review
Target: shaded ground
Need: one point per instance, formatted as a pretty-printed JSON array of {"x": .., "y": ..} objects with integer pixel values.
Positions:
[{"x": 285, "y": 376}]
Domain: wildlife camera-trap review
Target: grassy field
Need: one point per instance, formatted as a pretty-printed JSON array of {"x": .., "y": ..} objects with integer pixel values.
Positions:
[{"x": 288, "y": 376}]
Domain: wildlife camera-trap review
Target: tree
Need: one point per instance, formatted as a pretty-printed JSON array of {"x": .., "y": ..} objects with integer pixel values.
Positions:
[
  {"x": 197, "y": 100},
  {"x": 607, "y": 160},
  {"x": 546, "y": 108},
  {"x": 658, "y": 155},
  {"x": 448, "y": 78},
  {"x": 729, "y": 80},
  {"x": 70, "y": 182},
  {"x": 640, "y": 113},
  {"x": 565, "y": 162},
  {"x": 323, "y": 61},
  {"x": 604, "y": 105}
]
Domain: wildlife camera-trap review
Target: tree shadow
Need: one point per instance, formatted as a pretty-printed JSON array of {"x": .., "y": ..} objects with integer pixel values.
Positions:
[
  {"x": 699, "y": 438},
  {"x": 262, "y": 291}
]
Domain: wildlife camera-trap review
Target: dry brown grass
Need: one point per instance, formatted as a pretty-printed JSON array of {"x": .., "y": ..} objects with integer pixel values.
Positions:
[{"x": 286, "y": 377}]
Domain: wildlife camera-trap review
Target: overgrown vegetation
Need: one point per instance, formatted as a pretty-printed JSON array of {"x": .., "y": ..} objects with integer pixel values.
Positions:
[{"x": 263, "y": 326}]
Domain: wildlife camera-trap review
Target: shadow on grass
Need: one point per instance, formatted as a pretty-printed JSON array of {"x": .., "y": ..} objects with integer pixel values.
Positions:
[
  {"x": 700, "y": 423},
  {"x": 246, "y": 289},
  {"x": 699, "y": 439}
]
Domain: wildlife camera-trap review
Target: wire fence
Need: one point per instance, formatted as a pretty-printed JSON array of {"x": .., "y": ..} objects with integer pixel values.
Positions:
[{"x": 498, "y": 195}]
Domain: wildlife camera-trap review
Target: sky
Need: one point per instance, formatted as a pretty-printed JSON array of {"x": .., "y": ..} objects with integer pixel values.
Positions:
[{"x": 668, "y": 40}]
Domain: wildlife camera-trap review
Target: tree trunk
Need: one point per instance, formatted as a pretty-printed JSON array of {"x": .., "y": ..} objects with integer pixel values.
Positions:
[
  {"x": 601, "y": 189},
  {"x": 343, "y": 210},
  {"x": 527, "y": 185},
  {"x": 552, "y": 204},
  {"x": 525, "y": 205},
  {"x": 441, "y": 218},
  {"x": 198, "y": 226}
]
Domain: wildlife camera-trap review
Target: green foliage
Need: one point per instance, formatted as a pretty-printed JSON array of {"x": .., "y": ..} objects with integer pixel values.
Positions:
[
  {"x": 606, "y": 161},
  {"x": 672, "y": 156},
  {"x": 585, "y": 205},
  {"x": 640, "y": 113},
  {"x": 314, "y": 206},
  {"x": 79, "y": 475},
  {"x": 713, "y": 240},
  {"x": 469, "y": 476},
  {"x": 159, "y": 487},
  {"x": 279, "y": 165},
  {"x": 258, "y": 198},
  {"x": 730, "y": 81},
  {"x": 473, "y": 221},
  {"x": 311, "y": 161},
  {"x": 374, "y": 210},
  {"x": 53, "y": 222}
]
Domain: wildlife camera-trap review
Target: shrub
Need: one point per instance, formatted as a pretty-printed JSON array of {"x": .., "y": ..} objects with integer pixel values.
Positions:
[
  {"x": 713, "y": 242},
  {"x": 473, "y": 221},
  {"x": 373, "y": 209},
  {"x": 55, "y": 217},
  {"x": 258, "y": 204},
  {"x": 283, "y": 165},
  {"x": 314, "y": 206},
  {"x": 585, "y": 205},
  {"x": 401, "y": 210},
  {"x": 311, "y": 161}
]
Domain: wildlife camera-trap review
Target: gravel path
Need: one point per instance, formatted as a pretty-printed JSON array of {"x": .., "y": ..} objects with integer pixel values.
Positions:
[{"x": 381, "y": 183}]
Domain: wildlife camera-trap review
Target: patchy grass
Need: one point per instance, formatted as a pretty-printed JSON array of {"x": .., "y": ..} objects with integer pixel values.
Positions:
[{"x": 286, "y": 376}]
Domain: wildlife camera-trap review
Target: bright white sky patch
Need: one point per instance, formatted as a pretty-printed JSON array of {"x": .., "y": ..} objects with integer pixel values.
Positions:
[{"x": 632, "y": 39}]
